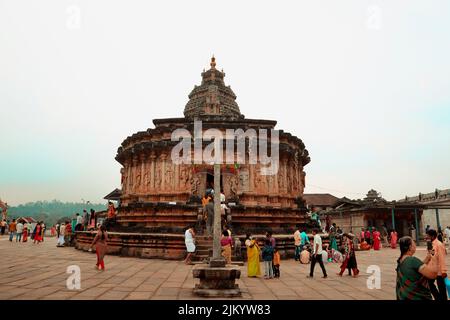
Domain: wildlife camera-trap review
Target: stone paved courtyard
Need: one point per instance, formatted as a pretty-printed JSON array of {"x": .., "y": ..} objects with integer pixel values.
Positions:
[{"x": 31, "y": 271}]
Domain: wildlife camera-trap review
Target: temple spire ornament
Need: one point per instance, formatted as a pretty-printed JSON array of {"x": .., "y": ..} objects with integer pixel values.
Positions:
[{"x": 213, "y": 63}]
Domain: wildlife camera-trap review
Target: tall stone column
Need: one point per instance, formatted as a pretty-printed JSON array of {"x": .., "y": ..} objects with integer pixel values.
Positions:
[{"x": 217, "y": 259}]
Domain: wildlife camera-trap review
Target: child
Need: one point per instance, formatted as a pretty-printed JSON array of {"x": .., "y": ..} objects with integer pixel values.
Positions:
[
  {"x": 305, "y": 256},
  {"x": 267, "y": 255},
  {"x": 276, "y": 263}
]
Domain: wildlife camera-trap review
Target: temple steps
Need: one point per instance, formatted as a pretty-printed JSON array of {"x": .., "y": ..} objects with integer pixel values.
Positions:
[{"x": 203, "y": 251}]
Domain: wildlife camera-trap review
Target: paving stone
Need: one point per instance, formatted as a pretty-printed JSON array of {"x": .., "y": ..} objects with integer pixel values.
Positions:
[{"x": 39, "y": 272}]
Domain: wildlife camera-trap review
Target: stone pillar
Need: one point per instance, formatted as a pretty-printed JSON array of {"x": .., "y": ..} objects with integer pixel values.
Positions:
[{"x": 217, "y": 259}]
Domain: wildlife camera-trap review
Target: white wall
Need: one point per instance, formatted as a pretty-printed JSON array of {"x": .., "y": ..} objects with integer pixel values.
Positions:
[{"x": 429, "y": 218}]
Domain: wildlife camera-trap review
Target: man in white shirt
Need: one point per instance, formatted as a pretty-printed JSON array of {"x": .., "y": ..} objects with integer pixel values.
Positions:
[
  {"x": 79, "y": 223},
  {"x": 62, "y": 231},
  {"x": 317, "y": 255},
  {"x": 19, "y": 228}
]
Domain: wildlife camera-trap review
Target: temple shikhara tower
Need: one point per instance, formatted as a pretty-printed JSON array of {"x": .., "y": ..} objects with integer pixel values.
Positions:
[{"x": 160, "y": 197}]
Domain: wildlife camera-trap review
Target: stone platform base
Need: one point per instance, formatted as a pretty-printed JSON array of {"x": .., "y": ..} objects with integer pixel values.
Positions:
[
  {"x": 169, "y": 246},
  {"x": 217, "y": 281}
]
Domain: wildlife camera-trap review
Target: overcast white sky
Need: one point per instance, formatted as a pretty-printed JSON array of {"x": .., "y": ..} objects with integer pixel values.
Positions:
[{"x": 364, "y": 84}]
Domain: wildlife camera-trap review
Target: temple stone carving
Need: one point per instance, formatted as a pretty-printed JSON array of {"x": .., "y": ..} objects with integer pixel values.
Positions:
[{"x": 150, "y": 178}]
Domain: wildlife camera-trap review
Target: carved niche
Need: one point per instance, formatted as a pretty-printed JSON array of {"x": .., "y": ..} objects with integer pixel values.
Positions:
[
  {"x": 233, "y": 182},
  {"x": 195, "y": 185},
  {"x": 158, "y": 175},
  {"x": 168, "y": 176},
  {"x": 244, "y": 180}
]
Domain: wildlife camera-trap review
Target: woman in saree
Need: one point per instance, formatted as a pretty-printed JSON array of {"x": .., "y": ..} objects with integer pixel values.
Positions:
[
  {"x": 37, "y": 233},
  {"x": 253, "y": 267},
  {"x": 393, "y": 239},
  {"x": 25, "y": 233},
  {"x": 101, "y": 245},
  {"x": 349, "y": 257},
  {"x": 226, "y": 243},
  {"x": 412, "y": 273},
  {"x": 376, "y": 239}
]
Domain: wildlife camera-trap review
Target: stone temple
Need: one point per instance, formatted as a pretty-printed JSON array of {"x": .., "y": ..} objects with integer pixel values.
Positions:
[{"x": 160, "y": 197}]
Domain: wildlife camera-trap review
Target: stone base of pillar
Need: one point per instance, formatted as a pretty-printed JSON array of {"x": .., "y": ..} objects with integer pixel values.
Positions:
[{"x": 217, "y": 281}]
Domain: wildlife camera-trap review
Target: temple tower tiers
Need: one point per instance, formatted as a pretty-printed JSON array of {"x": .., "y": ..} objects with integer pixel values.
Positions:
[{"x": 159, "y": 194}]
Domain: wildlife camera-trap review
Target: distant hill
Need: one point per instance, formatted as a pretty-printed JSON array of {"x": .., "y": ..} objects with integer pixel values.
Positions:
[{"x": 51, "y": 211}]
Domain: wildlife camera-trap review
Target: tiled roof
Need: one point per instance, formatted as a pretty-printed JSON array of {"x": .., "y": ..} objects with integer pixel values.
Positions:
[{"x": 320, "y": 199}]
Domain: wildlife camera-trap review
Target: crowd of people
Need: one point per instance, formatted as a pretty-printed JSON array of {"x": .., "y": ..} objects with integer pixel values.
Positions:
[
  {"x": 20, "y": 230},
  {"x": 416, "y": 279}
]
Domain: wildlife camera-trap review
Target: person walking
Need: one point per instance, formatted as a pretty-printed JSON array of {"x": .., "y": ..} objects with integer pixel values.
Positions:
[
  {"x": 61, "y": 234},
  {"x": 413, "y": 274},
  {"x": 438, "y": 258},
  {"x": 19, "y": 231},
  {"x": 12, "y": 229},
  {"x": 349, "y": 257},
  {"x": 189, "y": 236},
  {"x": 253, "y": 266},
  {"x": 37, "y": 233},
  {"x": 267, "y": 256},
  {"x": 317, "y": 255},
  {"x": 101, "y": 246},
  {"x": 297, "y": 244}
]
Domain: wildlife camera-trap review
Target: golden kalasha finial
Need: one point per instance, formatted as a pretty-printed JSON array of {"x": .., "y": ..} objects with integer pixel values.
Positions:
[{"x": 213, "y": 62}]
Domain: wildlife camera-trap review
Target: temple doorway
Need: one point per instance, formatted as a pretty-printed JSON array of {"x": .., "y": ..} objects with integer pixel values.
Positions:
[{"x": 210, "y": 181}]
